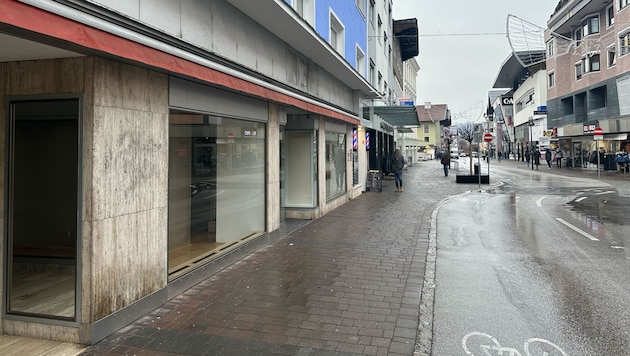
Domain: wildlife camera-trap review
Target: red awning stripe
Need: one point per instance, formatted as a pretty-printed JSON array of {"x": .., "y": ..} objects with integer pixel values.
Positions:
[{"x": 37, "y": 20}]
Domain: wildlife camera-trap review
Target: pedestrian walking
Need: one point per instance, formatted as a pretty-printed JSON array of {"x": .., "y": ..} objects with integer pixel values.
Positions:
[
  {"x": 536, "y": 158},
  {"x": 446, "y": 161},
  {"x": 527, "y": 157},
  {"x": 397, "y": 166},
  {"x": 548, "y": 158},
  {"x": 559, "y": 158}
]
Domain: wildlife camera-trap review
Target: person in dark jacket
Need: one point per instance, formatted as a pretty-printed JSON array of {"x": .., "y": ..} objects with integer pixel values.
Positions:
[
  {"x": 446, "y": 161},
  {"x": 536, "y": 158},
  {"x": 398, "y": 163},
  {"x": 548, "y": 158}
]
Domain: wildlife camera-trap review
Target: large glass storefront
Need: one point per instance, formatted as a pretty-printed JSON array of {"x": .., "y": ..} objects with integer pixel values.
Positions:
[
  {"x": 335, "y": 164},
  {"x": 216, "y": 187},
  {"x": 42, "y": 202}
]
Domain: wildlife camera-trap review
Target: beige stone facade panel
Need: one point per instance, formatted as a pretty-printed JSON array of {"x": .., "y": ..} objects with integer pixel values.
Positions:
[
  {"x": 53, "y": 76},
  {"x": 129, "y": 260}
]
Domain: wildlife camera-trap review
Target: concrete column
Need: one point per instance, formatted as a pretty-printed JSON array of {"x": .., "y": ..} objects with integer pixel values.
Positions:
[{"x": 272, "y": 161}]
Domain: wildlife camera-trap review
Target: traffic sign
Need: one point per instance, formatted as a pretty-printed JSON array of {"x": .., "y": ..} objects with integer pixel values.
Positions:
[
  {"x": 487, "y": 137},
  {"x": 598, "y": 133}
]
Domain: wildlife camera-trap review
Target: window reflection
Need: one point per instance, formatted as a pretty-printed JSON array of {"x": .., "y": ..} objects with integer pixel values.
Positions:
[
  {"x": 216, "y": 186},
  {"x": 336, "y": 162}
]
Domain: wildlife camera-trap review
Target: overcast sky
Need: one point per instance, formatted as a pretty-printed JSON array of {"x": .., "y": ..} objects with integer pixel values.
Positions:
[{"x": 459, "y": 66}]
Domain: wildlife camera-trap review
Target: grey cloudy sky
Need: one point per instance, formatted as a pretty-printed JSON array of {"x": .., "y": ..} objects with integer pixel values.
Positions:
[{"x": 462, "y": 46}]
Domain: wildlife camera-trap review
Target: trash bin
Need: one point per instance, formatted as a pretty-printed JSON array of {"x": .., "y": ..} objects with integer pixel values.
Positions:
[
  {"x": 609, "y": 162},
  {"x": 476, "y": 169}
]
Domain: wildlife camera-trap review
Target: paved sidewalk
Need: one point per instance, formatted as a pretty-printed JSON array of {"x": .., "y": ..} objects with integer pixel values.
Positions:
[{"x": 349, "y": 283}]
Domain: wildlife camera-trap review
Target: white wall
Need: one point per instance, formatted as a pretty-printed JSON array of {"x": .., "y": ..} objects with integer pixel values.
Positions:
[{"x": 217, "y": 27}]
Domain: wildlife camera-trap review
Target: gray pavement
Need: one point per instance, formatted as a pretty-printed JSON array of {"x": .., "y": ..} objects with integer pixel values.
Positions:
[
  {"x": 358, "y": 281},
  {"x": 348, "y": 283}
]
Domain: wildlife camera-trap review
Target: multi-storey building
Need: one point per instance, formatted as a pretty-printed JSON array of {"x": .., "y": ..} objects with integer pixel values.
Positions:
[
  {"x": 588, "y": 75},
  {"x": 519, "y": 110},
  {"x": 151, "y": 143}
]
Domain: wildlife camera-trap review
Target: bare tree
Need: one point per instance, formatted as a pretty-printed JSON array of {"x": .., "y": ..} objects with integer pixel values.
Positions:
[{"x": 466, "y": 131}]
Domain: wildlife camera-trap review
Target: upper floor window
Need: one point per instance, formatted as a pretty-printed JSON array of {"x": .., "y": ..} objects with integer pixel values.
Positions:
[
  {"x": 591, "y": 26},
  {"x": 298, "y": 5},
  {"x": 551, "y": 79},
  {"x": 623, "y": 3},
  {"x": 336, "y": 33},
  {"x": 360, "y": 65},
  {"x": 579, "y": 70},
  {"x": 624, "y": 43},
  {"x": 577, "y": 36},
  {"x": 361, "y": 6},
  {"x": 612, "y": 56},
  {"x": 610, "y": 16},
  {"x": 594, "y": 62},
  {"x": 371, "y": 13},
  {"x": 550, "y": 48},
  {"x": 529, "y": 98},
  {"x": 426, "y": 128},
  {"x": 372, "y": 72}
]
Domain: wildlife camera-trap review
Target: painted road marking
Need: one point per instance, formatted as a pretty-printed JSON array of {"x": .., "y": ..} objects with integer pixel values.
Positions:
[
  {"x": 478, "y": 344},
  {"x": 580, "y": 199},
  {"x": 579, "y": 231},
  {"x": 539, "y": 201}
]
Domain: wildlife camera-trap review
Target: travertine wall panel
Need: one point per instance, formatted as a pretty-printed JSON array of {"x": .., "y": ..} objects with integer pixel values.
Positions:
[
  {"x": 46, "y": 76},
  {"x": 272, "y": 153},
  {"x": 129, "y": 186}
]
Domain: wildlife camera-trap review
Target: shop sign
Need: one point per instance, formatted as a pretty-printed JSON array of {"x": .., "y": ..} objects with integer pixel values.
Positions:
[{"x": 588, "y": 128}]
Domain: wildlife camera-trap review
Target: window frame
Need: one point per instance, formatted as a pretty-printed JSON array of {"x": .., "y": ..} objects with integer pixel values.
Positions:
[
  {"x": 361, "y": 6},
  {"x": 336, "y": 35},
  {"x": 624, "y": 37},
  {"x": 591, "y": 62},
  {"x": 579, "y": 69},
  {"x": 610, "y": 15},
  {"x": 611, "y": 54}
]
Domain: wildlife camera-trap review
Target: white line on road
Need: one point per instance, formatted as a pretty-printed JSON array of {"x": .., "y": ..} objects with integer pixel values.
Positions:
[
  {"x": 580, "y": 199},
  {"x": 579, "y": 231},
  {"x": 539, "y": 201}
]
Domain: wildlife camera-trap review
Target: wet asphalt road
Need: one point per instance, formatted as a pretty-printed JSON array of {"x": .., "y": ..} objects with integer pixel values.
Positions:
[{"x": 536, "y": 265}]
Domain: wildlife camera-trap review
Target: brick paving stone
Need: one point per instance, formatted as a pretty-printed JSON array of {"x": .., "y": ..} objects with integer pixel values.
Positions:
[{"x": 348, "y": 283}]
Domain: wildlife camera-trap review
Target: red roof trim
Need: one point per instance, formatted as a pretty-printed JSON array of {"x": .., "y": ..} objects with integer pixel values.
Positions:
[{"x": 33, "y": 19}]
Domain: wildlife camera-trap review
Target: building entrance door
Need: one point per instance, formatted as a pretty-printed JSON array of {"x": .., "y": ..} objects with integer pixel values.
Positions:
[{"x": 43, "y": 219}]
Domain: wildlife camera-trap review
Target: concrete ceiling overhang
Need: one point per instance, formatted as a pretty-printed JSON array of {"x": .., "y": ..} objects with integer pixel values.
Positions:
[
  {"x": 280, "y": 19},
  {"x": 20, "y": 49},
  {"x": 571, "y": 15},
  {"x": 397, "y": 116},
  {"x": 510, "y": 73}
]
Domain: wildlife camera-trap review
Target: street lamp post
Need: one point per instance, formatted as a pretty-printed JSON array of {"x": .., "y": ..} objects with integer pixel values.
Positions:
[{"x": 530, "y": 123}]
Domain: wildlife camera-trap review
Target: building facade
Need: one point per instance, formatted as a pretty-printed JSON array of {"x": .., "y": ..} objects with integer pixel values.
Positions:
[
  {"x": 588, "y": 76},
  {"x": 138, "y": 135}
]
